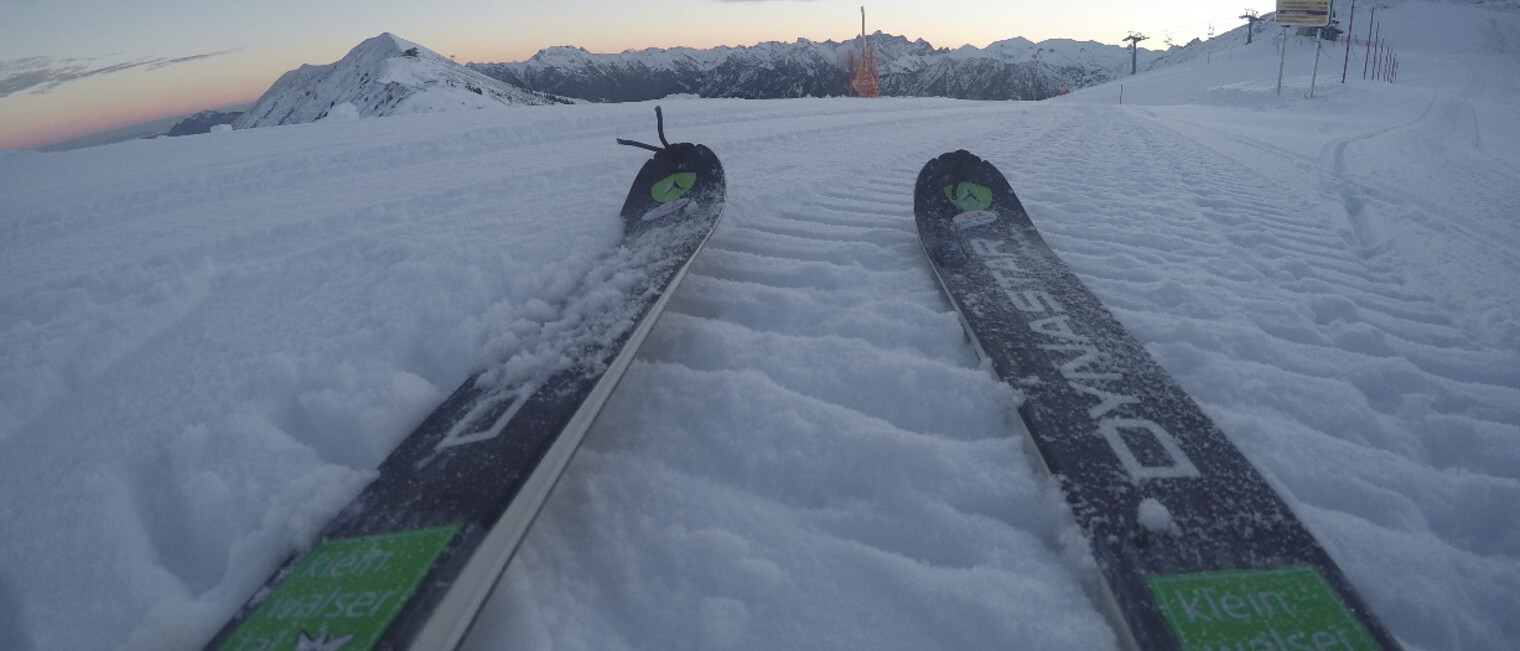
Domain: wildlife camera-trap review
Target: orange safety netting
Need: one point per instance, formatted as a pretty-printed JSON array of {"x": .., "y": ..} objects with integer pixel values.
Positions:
[{"x": 864, "y": 79}]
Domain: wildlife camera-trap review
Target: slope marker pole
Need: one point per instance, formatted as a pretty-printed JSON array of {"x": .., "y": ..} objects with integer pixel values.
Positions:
[
  {"x": 1350, "y": 23},
  {"x": 1282, "y": 58}
]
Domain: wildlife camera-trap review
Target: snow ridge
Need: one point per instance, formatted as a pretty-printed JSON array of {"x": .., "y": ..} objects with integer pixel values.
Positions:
[{"x": 384, "y": 75}]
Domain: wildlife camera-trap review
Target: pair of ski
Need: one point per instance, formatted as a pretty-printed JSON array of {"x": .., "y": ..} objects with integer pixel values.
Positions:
[{"x": 1195, "y": 549}]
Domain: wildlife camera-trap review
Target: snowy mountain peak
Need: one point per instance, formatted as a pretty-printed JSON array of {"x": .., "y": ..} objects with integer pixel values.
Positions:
[
  {"x": 388, "y": 45},
  {"x": 561, "y": 53},
  {"x": 384, "y": 75},
  {"x": 385, "y": 44}
]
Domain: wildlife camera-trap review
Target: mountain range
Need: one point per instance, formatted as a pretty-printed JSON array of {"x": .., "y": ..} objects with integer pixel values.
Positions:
[
  {"x": 388, "y": 75},
  {"x": 1013, "y": 69}
]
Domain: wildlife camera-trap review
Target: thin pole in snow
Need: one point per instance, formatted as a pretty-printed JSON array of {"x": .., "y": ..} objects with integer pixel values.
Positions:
[
  {"x": 1350, "y": 22},
  {"x": 1377, "y": 52},
  {"x": 1314, "y": 78},
  {"x": 1367, "y": 58},
  {"x": 1282, "y": 57}
]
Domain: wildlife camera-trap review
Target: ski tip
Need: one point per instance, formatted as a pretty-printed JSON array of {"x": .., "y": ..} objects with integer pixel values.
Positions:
[
  {"x": 959, "y": 156},
  {"x": 963, "y": 164},
  {"x": 962, "y": 189},
  {"x": 677, "y": 176}
]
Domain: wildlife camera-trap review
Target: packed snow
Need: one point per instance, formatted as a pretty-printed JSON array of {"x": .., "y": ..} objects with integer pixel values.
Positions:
[{"x": 210, "y": 343}]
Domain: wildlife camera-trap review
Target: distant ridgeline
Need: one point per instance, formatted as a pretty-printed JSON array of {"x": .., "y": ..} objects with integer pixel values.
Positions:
[
  {"x": 203, "y": 122},
  {"x": 387, "y": 75},
  {"x": 1015, "y": 69}
]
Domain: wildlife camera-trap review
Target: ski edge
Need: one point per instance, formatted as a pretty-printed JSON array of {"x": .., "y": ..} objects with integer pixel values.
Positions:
[
  {"x": 487, "y": 566},
  {"x": 1096, "y": 581}
]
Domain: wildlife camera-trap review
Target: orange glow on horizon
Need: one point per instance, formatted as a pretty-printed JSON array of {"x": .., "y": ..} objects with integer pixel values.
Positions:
[
  {"x": 109, "y": 102},
  {"x": 46, "y": 127}
]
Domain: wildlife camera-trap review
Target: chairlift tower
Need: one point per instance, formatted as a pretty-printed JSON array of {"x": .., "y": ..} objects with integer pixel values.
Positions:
[
  {"x": 1134, "y": 60},
  {"x": 1251, "y": 19}
]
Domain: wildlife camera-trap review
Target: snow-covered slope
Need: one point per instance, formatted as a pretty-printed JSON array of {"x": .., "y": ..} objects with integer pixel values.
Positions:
[
  {"x": 384, "y": 75},
  {"x": 209, "y": 343}
]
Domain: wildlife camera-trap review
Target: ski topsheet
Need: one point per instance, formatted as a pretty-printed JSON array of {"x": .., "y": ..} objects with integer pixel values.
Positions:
[
  {"x": 409, "y": 563},
  {"x": 1195, "y": 549}
]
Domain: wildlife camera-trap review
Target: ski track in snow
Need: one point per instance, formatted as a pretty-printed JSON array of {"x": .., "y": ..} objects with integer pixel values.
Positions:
[{"x": 212, "y": 341}]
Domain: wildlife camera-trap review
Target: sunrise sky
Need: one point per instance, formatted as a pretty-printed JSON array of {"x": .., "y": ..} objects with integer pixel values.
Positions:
[{"x": 73, "y": 67}]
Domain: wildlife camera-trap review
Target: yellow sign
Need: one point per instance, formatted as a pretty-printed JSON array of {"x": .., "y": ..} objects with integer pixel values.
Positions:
[{"x": 1303, "y": 13}]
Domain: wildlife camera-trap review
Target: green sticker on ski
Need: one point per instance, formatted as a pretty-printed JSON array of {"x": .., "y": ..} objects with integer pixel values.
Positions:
[
  {"x": 969, "y": 196},
  {"x": 673, "y": 187},
  {"x": 344, "y": 594},
  {"x": 1283, "y": 609}
]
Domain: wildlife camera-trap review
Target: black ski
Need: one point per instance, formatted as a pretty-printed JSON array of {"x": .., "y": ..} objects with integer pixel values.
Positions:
[
  {"x": 1195, "y": 548},
  {"x": 409, "y": 563}
]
